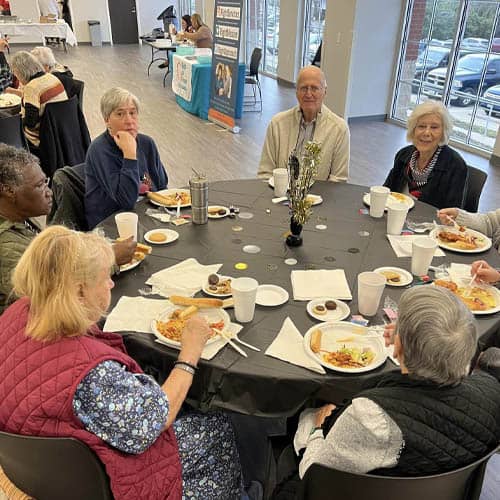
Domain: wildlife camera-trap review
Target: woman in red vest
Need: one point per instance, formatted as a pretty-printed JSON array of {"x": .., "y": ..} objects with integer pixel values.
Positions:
[{"x": 61, "y": 376}]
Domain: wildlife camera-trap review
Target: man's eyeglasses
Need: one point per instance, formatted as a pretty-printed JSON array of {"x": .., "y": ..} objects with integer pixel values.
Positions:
[{"x": 310, "y": 88}]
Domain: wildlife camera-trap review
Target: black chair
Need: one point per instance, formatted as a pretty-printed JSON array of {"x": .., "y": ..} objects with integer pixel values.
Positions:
[
  {"x": 79, "y": 86},
  {"x": 11, "y": 131},
  {"x": 53, "y": 468},
  {"x": 252, "y": 78},
  {"x": 322, "y": 483},
  {"x": 68, "y": 188},
  {"x": 475, "y": 182},
  {"x": 317, "y": 57},
  {"x": 64, "y": 136}
]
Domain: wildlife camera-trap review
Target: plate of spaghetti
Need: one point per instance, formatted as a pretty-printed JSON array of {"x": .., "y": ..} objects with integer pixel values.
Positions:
[
  {"x": 344, "y": 347},
  {"x": 170, "y": 323}
]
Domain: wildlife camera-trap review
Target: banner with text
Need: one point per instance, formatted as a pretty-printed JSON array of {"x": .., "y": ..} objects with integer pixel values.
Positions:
[{"x": 225, "y": 59}]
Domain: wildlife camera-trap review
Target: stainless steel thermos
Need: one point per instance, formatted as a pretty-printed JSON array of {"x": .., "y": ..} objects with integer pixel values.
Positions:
[{"x": 198, "y": 186}]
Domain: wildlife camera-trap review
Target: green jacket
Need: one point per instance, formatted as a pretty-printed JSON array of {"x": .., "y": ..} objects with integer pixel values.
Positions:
[{"x": 14, "y": 239}]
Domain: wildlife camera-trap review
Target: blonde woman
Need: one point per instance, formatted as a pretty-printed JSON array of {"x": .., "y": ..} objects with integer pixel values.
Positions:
[
  {"x": 202, "y": 36},
  {"x": 61, "y": 376}
]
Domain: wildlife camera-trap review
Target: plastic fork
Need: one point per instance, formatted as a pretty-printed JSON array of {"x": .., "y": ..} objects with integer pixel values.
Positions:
[{"x": 226, "y": 336}]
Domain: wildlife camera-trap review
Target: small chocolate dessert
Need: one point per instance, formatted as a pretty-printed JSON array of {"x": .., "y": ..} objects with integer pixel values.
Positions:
[
  {"x": 213, "y": 279},
  {"x": 331, "y": 305}
]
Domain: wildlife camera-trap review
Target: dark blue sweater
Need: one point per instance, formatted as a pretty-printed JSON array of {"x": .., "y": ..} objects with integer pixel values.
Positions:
[{"x": 112, "y": 182}]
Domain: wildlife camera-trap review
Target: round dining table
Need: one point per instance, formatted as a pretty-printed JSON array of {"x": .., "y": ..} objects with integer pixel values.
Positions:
[{"x": 339, "y": 235}]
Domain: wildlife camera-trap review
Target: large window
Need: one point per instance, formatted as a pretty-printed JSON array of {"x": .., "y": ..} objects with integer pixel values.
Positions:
[
  {"x": 313, "y": 32},
  {"x": 263, "y": 31},
  {"x": 451, "y": 52}
]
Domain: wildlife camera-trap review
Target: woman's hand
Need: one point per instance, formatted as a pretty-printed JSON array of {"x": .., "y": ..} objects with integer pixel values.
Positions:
[
  {"x": 389, "y": 334},
  {"x": 484, "y": 272},
  {"x": 322, "y": 413},
  {"x": 445, "y": 214},
  {"x": 193, "y": 340},
  {"x": 127, "y": 143}
]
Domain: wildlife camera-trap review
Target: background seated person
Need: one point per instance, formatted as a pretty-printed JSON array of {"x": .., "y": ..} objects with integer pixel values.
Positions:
[
  {"x": 201, "y": 36},
  {"x": 430, "y": 418},
  {"x": 186, "y": 25},
  {"x": 5, "y": 73},
  {"x": 488, "y": 224},
  {"x": 120, "y": 163},
  {"x": 45, "y": 57},
  {"x": 101, "y": 397},
  {"x": 429, "y": 170},
  {"x": 25, "y": 193},
  {"x": 39, "y": 89},
  {"x": 311, "y": 120}
]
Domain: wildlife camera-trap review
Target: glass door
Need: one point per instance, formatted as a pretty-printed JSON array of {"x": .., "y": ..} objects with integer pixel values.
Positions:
[{"x": 313, "y": 33}]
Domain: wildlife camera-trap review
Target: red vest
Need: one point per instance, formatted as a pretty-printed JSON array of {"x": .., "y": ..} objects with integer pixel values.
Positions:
[{"x": 37, "y": 384}]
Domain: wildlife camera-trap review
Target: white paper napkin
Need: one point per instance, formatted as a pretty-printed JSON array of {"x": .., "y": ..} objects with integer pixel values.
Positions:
[
  {"x": 458, "y": 272},
  {"x": 134, "y": 314},
  {"x": 317, "y": 283},
  {"x": 402, "y": 245},
  {"x": 289, "y": 346},
  {"x": 185, "y": 278},
  {"x": 210, "y": 350},
  {"x": 307, "y": 422}
]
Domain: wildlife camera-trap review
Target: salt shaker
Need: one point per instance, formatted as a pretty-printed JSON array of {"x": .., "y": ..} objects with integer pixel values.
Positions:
[{"x": 198, "y": 186}]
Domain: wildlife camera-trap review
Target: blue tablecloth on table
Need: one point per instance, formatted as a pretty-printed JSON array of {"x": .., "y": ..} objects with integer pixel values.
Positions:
[{"x": 200, "y": 84}]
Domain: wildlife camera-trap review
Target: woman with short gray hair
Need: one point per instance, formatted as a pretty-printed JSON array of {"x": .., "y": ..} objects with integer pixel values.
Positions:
[
  {"x": 429, "y": 170},
  {"x": 121, "y": 163},
  {"x": 429, "y": 417},
  {"x": 39, "y": 89}
]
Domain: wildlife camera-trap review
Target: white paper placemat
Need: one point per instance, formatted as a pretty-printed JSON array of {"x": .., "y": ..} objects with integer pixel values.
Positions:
[{"x": 317, "y": 283}]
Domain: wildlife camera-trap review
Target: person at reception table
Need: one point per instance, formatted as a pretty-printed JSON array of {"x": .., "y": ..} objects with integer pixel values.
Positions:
[
  {"x": 39, "y": 89},
  {"x": 48, "y": 7},
  {"x": 429, "y": 418},
  {"x": 61, "y": 376},
  {"x": 120, "y": 163},
  {"x": 45, "y": 56},
  {"x": 186, "y": 25},
  {"x": 202, "y": 36},
  {"x": 24, "y": 194},
  {"x": 311, "y": 120},
  {"x": 429, "y": 169}
]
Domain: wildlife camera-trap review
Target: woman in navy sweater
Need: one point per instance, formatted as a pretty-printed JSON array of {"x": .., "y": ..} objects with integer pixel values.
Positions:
[{"x": 121, "y": 164}]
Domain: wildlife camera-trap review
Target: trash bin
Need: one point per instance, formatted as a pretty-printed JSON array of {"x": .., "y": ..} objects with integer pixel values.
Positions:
[{"x": 95, "y": 33}]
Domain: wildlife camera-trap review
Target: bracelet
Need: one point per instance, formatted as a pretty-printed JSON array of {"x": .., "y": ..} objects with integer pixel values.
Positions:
[
  {"x": 184, "y": 367},
  {"x": 185, "y": 363}
]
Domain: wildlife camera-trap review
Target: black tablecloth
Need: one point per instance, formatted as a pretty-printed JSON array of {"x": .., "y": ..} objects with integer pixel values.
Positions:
[{"x": 261, "y": 385}]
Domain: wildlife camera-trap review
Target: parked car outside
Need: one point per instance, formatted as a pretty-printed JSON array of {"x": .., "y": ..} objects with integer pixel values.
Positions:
[
  {"x": 474, "y": 44},
  {"x": 493, "y": 95},
  {"x": 429, "y": 59}
]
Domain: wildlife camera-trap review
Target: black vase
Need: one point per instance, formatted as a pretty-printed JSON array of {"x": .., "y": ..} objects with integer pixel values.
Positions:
[{"x": 294, "y": 239}]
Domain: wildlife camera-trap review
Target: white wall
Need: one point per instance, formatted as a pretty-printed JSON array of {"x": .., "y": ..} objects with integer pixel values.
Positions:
[
  {"x": 147, "y": 12},
  {"x": 82, "y": 11},
  {"x": 290, "y": 39},
  {"x": 377, "y": 29}
]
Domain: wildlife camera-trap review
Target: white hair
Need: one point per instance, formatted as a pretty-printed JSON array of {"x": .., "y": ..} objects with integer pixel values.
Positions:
[
  {"x": 25, "y": 66},
  {"x": 430, "y": 108},
  {"x": 114, "y": 98},
  {"x": 45, "y": 57}
]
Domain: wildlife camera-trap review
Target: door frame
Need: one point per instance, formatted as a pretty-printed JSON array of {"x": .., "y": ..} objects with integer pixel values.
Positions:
[{"x": 137, "y": 18}]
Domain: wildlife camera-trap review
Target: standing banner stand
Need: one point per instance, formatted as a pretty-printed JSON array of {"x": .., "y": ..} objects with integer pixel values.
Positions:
[{"x": 225, "y": 59}]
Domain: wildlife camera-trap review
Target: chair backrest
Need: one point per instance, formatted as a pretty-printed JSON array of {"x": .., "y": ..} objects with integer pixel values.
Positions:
[
  {"x": 11, "y": 131},
  {"x": 255, "y": 62},
  {"x": 79, "y": 85},
  {"x": 475, "y": 182},
  {"x": 53, "y": 468},
  {"x": 317, "y": 57},
  {"x": 320, "y": 483}
]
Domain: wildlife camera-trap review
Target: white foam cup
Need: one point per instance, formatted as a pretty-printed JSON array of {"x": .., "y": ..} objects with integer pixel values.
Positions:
[
  {"x": 244, "y": 294},
  {"x": 378, "y": 199},
  {"x": 370, "y": 288},
  {"x": 126, "y": 223}
]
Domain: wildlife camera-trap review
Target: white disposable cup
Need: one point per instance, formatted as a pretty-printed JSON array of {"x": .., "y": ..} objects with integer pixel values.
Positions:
[
  {"x": 378, "y": 199},
  {"x": 422, "y": 252},
  {"x": 126, "y": 222},
  {"x": 244, "y": 294},
  {"x": 280, "y": 181},
  {"x": 370, "y": 288},
  {"x": 396, "y": 216}
]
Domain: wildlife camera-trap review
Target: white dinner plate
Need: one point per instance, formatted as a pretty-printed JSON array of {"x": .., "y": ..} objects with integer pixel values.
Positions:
[
  {"x": 169, "y": 192},
  {"x": 336, "y": 335},
  {"x": 315, "y": 198},
  {"x": 485, "y": 241},
  {"x": 492, "y": 289},
  {"x": 213, "y": 315},
  {"x": 9, "y": 100},
  {"x": 130, "y": 265},
  {"x": 217, "y": 216},
  {"x": 405, "y": 278},
  {"x": 392, "y": 199},
  {"x": 169, "y": 233},
  {"x": 338, "y": 314},
  {"x": 215, "y": 294},
  {"x": 271, "y": 295}
]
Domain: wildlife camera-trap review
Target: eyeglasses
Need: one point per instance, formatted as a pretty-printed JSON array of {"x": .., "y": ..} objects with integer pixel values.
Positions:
[{"x": 310, "y": 88}]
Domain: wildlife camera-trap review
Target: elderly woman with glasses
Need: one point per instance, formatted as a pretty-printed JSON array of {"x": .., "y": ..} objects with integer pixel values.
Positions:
[
  {"x": 431, "y": 416},
  {"x": 61, "y": 376},
  {"x": 289, "y": 131},
  {"x": 121, "y": 163},
  {"x": 429, "y": 170}
]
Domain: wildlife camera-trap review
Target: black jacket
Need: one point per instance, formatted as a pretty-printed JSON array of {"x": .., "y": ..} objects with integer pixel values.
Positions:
[{"x": 446, "y": 185}]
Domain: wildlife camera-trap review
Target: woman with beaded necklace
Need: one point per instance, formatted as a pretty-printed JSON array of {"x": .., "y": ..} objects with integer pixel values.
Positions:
[{"x": 429, "y": 170}]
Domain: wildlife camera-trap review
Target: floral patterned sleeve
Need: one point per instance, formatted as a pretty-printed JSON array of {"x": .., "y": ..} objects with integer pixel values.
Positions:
[{"x": 126, "y": 410}]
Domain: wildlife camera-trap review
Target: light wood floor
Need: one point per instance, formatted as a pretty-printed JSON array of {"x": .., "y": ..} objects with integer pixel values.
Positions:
[{"x": 185, "y": 141}]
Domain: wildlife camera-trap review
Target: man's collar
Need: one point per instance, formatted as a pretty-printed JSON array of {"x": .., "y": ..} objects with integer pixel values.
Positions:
[{"x": 300, "y": 115}]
